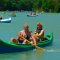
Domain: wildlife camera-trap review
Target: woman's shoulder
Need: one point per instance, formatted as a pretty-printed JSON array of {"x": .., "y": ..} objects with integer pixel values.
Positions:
[
  {"x": 42, "y": 30},
  {"x": 21, "y": 31}
]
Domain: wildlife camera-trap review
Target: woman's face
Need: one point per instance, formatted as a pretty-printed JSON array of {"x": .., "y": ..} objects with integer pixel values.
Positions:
[
  {"x": 26, "y": 28},
  {"x": 39, "y": 26}
]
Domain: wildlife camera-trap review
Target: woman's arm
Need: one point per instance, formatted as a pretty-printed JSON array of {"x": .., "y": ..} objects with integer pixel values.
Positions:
[
  {"x": 41, "y": 33},
  {"x": 20, "y": 35},
  {"x": 34, "y": 41}
]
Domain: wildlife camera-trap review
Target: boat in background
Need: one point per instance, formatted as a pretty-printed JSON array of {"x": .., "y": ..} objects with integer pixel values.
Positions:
[
  {"x": 5, "y": 20},
  {"x": 32, "y": 14},
  {"x": 13, "y": 14}
]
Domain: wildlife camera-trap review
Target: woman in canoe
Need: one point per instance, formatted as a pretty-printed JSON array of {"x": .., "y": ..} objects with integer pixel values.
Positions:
[
  {"x": 26, "y": 34},
  {"x": 39, "y": 33}
]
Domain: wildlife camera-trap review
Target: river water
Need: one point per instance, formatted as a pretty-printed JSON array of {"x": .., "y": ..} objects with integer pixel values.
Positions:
[{"x": 50, "y": 22}]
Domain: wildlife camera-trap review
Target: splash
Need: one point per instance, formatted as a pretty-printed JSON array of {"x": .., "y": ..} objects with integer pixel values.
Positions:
[{"x": 53, "y": 50}]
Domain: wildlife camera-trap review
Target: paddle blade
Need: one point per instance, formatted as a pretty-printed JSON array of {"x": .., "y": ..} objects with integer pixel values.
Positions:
[{"x": 39, "y": 48}]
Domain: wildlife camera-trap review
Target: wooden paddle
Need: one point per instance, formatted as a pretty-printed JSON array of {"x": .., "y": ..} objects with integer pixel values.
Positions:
[{"x": 37, "y": 47}]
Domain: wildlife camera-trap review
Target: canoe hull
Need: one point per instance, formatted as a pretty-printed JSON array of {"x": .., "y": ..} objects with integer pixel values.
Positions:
[
  {"x": 10, "y": 49},
  {"x": 7, "y": 47}
]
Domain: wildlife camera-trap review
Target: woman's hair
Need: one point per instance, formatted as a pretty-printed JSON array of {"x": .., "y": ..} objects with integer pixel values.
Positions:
[{"x": 40, "y": 25}]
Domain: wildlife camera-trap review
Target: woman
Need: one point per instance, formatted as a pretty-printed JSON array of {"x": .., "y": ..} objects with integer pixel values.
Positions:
[{"x": 39, "y": 33}]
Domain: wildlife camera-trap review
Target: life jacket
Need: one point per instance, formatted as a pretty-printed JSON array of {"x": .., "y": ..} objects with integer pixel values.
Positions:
[{"x": 37, "y": 32}]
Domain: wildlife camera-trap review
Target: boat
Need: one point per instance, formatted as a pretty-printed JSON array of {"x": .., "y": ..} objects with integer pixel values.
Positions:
[
  {"x": 32, "y": 15},
  {"x": 13, "y": 15},
  {"x": 5, "y": 20},
  {"x": 9, "y": 47}
]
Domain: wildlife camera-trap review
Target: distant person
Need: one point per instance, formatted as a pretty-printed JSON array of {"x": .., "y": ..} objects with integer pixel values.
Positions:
[
  {"x": 39, "y": 33},
  {"x": 34, "y": 13},
  {"x": 31, "y": 13},
  {"x": 0, "y": 17},
  {"x": 26, "y": 34}
]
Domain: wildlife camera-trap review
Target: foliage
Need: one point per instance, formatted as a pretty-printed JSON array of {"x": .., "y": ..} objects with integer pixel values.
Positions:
[{"x": 30, "y": 5}]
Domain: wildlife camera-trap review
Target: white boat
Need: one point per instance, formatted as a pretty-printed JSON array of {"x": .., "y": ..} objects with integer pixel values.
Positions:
[
  {"x": 33, "y": 15},
  {"x": 5, "y": 20}
]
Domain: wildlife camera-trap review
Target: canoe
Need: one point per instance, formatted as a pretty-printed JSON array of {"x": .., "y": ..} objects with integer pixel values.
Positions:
[
  {"x": 5, "y": 20},
  {"x": 8, "y": 47}
]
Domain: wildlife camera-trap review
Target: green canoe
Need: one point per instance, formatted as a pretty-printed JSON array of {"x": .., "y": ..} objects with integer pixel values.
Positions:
[{"x": 7, "y": 47}]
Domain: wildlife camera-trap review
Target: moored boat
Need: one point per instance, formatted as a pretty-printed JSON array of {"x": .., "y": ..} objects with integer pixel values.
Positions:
[
  {"x": 5, "y": 20},
  {"x": 7, "y": 47},
  {"x": 32, "y": 15}
]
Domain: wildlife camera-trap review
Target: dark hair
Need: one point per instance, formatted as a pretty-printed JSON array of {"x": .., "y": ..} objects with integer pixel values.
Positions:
[{"x": 40, "y": 25}]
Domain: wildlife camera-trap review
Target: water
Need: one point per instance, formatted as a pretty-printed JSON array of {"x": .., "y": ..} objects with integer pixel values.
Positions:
[{"x": 50, "y": 22}]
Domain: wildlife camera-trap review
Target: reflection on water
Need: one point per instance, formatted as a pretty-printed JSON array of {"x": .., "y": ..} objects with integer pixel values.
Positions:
[{"x": 29, "y": 55}]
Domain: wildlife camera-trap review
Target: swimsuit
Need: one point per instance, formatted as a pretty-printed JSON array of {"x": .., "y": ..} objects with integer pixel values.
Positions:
[{"x": 27, "y": 36}]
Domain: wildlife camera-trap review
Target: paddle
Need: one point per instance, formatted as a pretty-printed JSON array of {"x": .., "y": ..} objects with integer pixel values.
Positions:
[{"x": 37, "y": 47}]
